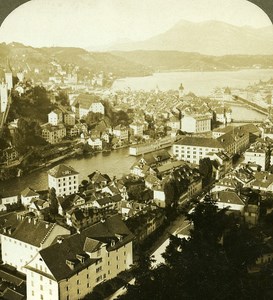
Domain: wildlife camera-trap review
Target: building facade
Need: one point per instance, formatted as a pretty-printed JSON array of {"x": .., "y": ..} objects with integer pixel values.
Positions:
[{"x": 64, "y": 179}]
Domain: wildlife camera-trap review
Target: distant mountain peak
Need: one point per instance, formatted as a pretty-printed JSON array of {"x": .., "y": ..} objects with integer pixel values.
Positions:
[{"x": 210, "y": 37}]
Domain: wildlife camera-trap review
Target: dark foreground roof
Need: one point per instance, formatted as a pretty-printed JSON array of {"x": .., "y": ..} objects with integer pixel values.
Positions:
[{"x": 56, "y": 255}]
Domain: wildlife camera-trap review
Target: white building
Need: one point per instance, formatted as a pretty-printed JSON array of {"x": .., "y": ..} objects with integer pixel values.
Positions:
[
  {"x": 9, "y": 80},
  {"x": 27, "y": 195},
  {"x": 64, "y": 179},
  {"x": 137, "y": 128},
  {"x": 86, "y": 103},
  {"x": 196, "y": 123},
  {"x": 72, "y": 267},
  {"x": 21, "y": 243},
  {"x": 55, "y": 117},
  {"x": 3, "y": 97},
  {"x": 121, "y": 132},
  {"x": 258, "y": 154},
  {"x": 192, "y": 149}
]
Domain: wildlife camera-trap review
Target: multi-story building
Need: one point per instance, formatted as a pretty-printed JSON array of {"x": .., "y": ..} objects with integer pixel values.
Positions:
[
  {"x": 259, "y": 154},
  {"x": 69, "y": 119},
  {"x": 137, "y": 128},
  {"x": 196, "y": 123},
  {"x": 55, "y": 117},
  {"x": 193, "y": 149},
  {"x": 9, "y": 80},
  {"x": 3, "y": 97},
  {"x": 64, "y": 179},
  {"x": 86, "y": 103},
  {"x": 121, "y": 132},
  {"x": 22, "y": 242},
  {"x": 53, "y": 134},
  {"x": 72, "y": 267}
]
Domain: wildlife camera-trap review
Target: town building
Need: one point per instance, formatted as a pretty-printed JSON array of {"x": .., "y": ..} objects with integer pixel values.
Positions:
[
  {"x": 55, "y": 117},
  {"x": 196, "y": 123},
  {"x": 86, "y": 103},
  {"x": 72, "y": 267},
  {"x": 53, "y": 134},
  {"x": 27, "y": 195},
  {"x": 19, "y": 246},
  {"x": 64, "y": 179},
  {"x": 3, "y": 97},
  {"x": 259, "y": 154},
  {"x": 9, "y": 80},
  {"x": 192, "y": 149},
  {"x": 70, "y": 118},
  {"x": 121, "y": 132}
]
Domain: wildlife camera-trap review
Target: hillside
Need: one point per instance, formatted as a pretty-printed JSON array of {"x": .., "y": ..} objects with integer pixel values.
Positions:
[
  {"x": 210, "y": 38},
  {"x": 28, "y": 58},
  {"x": 175, "y": 60}
]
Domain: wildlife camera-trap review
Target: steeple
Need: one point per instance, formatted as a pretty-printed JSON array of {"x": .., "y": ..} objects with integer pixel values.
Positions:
[{"x": 181, "y": 91}]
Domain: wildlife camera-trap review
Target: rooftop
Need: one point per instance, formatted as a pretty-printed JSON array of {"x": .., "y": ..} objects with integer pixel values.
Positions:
[{"x": 62, "y": 171}]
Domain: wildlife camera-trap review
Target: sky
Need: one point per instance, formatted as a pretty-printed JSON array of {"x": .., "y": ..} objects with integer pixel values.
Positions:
[{"x": 94, "y": 24}]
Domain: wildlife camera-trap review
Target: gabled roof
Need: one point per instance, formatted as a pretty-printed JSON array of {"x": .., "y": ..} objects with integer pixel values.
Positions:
[
  {"x": 39, "y": 231},
  {"x": 91, "y": 245},
  {"x": 56, "y": 255},
  {"x": 62, "y": 171},
  {"x": 199, "y": 142},
  {"x": 228, "y": 197},
  {"x": 29, "y": 192},
  {"x": 97, "y": 177},
  {"x": 85, "y": 100}
]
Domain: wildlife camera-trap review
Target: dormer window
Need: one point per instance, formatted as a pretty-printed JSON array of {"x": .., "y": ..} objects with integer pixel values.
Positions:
[{"x": 71, "y": 264}]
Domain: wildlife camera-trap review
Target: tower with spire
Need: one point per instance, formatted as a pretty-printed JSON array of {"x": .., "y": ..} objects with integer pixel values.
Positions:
[{"x": 181, "y": 91}]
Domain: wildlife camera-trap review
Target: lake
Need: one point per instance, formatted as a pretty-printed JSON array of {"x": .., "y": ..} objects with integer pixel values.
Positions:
[{"x": 200, "y": 83}]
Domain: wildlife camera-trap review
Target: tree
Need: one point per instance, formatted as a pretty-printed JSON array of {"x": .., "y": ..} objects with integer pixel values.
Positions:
[
  {"x": 53, "y": 202},
  {"x": 203, "y": 266},
  {"x": 205, "y": 169}
]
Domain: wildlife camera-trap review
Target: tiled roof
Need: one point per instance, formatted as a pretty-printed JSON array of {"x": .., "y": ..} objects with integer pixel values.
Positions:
[
  {"x": 55, "y": 256},
  {"x": 228, "y": 197},
  {"x": 91, "y": 245},
  {"x": 62, "y": 171},
  {"x": 262, "y": 179},
  {"x": 29, "y": 192},
  {"x": 39, "y": 230},
  {"x": 85, "y": 100},
  {"x": 199, "y": 142}
]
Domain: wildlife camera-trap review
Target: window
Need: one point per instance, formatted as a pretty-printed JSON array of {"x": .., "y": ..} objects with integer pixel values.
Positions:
[
  {"x": 78, "y": 291},
  {"x": 32, "y": 293},
  {"x": 41, "y": 287},
  {"x": 67, "y": 288},
  {"x": 78, "y": 281}
]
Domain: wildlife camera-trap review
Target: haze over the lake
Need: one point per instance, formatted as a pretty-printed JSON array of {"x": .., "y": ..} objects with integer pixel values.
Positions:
[{"x": 95, "y": 24}]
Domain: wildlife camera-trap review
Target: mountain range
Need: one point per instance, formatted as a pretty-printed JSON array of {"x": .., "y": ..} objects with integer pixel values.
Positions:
[{"x": 209, "y": 38}]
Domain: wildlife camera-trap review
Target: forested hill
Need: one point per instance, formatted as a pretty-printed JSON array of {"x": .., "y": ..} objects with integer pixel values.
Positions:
[
  {"x": 26, "y": 58},
  {"x": 177, "y": 60},
  {"x": 40, "y": 63}
]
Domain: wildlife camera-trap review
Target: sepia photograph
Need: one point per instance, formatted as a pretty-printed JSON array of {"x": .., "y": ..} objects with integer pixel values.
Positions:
[{"x": 136, "y": 150}]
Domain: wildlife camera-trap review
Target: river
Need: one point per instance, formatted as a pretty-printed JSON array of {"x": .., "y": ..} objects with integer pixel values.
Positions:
[{"x": 118, "y": 162}]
